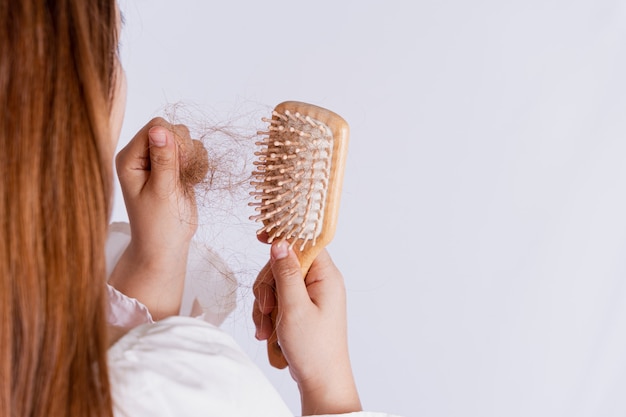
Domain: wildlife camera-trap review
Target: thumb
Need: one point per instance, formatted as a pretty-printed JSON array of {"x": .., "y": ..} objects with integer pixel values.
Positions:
[
  {"x": 290, "y": 286},
  {"x": 163, "y": 159}
]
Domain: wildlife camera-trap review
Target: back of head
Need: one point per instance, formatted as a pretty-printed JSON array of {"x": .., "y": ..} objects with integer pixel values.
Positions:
[{"x": 57, "y": 66}]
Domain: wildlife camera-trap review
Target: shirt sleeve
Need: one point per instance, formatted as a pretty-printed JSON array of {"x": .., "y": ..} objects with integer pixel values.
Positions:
[
  {"x": 210, "y": 288},
  {"x": 182, "y": 366},
  {"x": 124, "y": 311}
]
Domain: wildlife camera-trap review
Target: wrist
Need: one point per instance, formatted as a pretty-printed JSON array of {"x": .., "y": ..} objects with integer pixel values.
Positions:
[
  {"x": 335, "y": 393},
  {"x": 163, "y": 258},
  {"x": 153, "y": 276}
]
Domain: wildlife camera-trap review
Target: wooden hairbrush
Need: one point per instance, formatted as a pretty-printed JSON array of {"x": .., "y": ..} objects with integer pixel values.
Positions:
[{"x": 297, "y": 180}]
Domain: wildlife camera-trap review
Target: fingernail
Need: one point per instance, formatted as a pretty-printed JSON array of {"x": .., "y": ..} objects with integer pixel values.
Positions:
[
  {"x": 280, "y": 250},
  {"x": 157, "y": 137}
]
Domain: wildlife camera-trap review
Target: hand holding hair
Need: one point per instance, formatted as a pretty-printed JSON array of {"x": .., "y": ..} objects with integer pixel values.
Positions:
[
  {"x": 156, "y": 172},
  {"x": 311, "y": 326}
]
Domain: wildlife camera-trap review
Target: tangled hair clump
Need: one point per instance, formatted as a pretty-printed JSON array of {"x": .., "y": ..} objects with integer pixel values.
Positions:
[
  {"x": 218, "y": 172},
  {"x": 220, "y": 166}
]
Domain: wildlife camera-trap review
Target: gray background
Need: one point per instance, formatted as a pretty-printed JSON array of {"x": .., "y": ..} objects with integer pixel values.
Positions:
[{"x": 482, "y": 231}]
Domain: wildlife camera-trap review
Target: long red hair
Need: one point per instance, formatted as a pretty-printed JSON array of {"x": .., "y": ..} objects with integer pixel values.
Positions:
[{"x": 57, "y": 66}]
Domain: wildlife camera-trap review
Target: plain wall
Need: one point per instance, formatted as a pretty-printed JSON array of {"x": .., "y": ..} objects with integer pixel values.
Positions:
[{"x": 482, "y": 232}]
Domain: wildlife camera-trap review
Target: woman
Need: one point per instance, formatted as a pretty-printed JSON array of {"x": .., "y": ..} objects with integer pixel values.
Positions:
[{"x": 62, "y": 98}]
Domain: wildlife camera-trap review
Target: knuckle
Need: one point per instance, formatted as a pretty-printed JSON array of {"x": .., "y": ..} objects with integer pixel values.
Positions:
[
  {"x": 256, "y": 315},
  {"x": 158, "y": 121},
  {"x": 183, "y": 129},
  {"x": 161, "y": 159},
  {"x": 256, "y": 288},
  {"x": 119, "y": 160},
  {"x": 289, "y": 265},
  {"x": 289, "y": 271}
]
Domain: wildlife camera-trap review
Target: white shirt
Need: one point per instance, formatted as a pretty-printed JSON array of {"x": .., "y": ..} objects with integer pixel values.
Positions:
[{"x": 183, "y": 366}]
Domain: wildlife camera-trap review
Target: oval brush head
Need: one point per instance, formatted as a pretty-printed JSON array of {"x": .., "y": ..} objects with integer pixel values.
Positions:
[{"x": 298, "y": 179}]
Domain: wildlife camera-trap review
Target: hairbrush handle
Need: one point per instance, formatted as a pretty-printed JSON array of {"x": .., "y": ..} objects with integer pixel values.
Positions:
[
  {"x": 274, "y": 352},
  {"x": 299, "y": 176}
]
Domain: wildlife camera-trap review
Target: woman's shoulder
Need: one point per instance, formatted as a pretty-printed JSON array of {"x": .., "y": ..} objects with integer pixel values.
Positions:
[
  {"x": 172, "y": 333},
  {"x": 185, "y": 366}
]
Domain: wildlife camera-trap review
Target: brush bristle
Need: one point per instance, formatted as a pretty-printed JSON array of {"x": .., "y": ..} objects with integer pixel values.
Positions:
[{"x": 292, "y": 174}]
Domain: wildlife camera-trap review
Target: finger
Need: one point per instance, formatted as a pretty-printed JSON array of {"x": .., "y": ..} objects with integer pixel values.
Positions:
[
  {"x": 182, "y": 138},
  {"x": 132, "y": 179},
  {"x": 290, "y": 287},
  {"x": 324, "y": 281},
  {"x": 321, "y": 268},
  {"x": 183, "y": 135},
  {"x": 263, "y": 236},
  {"x": 263, "y": 323},
  {"x": 133, "y": 161},
  {"x": 264, "y": 304},
  {"x": 163, "y": 160},
  {"x": 264, "y": 290}
]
